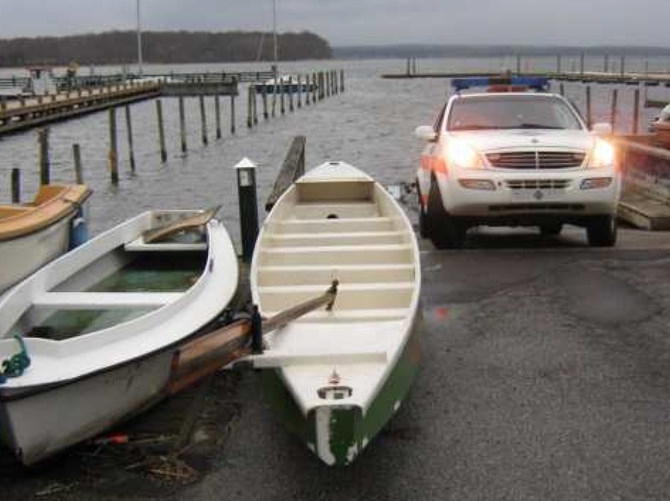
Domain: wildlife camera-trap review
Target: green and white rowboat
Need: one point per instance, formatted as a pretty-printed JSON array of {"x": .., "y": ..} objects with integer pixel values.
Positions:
[{"x": 336, "y": 377}]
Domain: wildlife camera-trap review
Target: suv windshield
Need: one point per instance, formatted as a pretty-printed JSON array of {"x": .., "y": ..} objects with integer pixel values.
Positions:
[{"x": 511, "y": 112}]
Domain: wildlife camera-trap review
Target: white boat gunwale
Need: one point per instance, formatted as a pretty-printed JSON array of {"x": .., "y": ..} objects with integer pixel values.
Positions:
[{"x": 80, "y": 345}]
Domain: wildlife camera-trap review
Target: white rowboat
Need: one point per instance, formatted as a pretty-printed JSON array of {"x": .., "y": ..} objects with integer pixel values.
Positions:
[
  {"x": 100, "y": 325},
  {"x": 337, "y": 376}
]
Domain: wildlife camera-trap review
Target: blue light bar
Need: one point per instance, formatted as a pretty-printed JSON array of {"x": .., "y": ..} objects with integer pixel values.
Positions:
[{"x": 537, "y": 83}]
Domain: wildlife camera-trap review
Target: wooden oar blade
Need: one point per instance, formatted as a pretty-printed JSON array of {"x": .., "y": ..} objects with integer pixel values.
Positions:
[{"x": 187, "y": 223}]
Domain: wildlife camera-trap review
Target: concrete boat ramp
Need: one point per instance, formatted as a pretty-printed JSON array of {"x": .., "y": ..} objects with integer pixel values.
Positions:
[{"x": 545, "y": 375}]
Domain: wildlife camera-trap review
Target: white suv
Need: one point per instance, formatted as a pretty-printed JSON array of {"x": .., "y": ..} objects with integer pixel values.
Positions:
[{"x": 515, "y": 159}]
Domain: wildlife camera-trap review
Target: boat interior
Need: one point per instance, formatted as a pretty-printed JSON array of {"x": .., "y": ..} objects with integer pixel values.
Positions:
[
  {"x": 132, "y": 280},
  {"x": 350, "y": 231}
]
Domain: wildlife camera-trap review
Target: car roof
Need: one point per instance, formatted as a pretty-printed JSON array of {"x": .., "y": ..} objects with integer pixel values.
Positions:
[{"x": 506, "y": 94}]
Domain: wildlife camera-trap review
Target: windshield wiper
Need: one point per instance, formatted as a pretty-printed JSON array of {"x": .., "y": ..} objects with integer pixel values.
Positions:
[{"x": 475, "y": 127}]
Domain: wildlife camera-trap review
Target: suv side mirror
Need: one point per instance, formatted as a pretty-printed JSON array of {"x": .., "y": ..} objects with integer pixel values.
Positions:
[
  {"x": 602, "y": 129},
  {"x": 425, "y": 132}
]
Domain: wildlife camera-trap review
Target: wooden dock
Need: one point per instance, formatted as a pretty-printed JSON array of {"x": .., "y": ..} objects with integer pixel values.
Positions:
[{"x": 24, "y": 114}]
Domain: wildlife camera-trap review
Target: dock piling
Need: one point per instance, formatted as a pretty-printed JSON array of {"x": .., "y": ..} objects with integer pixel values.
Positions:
[
  {"x": 232, "y": 114},
  {"x": 161, "y": 130},
  {"x": 254, "y": 104},
  {"x": 282, "y": 90},
  {"x": 16, "y": 185},
  {"x": 290, "y": 94},
  {"x": 182, "y": 125},
  {"x": 581, "y": 64},
  {"x": 129, "y": 130},
  {"x": 613, "y": 109},
  {"x": 78, "y": 170},
  {"x": 113, "y": 158},
  {"x": 561, "y": 89},
  {"x": 264, "y": 94},
  {"x": 43, "y": 140},
  {"x": 341, "y": 80},
  {"x": 299, "y": 91},
  {"x": 250, "y": 122},
  {"x": 217, "y": 114},
  {"x": 636, "y": 110},
  {"x": 203, "y": 120},
  {"x": 588, "y": 106}
]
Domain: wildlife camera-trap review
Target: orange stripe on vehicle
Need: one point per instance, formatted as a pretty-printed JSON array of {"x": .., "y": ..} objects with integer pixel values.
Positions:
[{"x": 426, "y": 161}]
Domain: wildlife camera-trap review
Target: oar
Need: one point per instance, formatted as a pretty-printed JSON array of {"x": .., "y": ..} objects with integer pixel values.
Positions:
[
  {"x": 185, "y": 223},
  {"x": 204, "y": 355},
  {"x": 297, "y": 311}
]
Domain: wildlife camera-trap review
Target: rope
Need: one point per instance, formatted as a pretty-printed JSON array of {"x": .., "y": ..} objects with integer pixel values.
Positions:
[{"x": 16, "y": 364}]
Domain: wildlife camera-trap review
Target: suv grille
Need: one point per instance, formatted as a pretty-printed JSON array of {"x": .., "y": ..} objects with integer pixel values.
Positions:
[
  {"x": 536, "y": 159},
  {"x": 537, "y": 184}
]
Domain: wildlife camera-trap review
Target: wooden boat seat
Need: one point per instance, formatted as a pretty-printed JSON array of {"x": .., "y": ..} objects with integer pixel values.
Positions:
[
  {"x": 337, "y": 254},
  {"x": 104, "y": 300},
  {"x": 343, "y": 238},
  {"x": 139, "y": 245},
  {"x": 349, "y": 296},
  {"x": 346, "y": 225},
  {"x": 335, "y": 210},
  {"x": 361, "y": 315},
  {"x": 325, "y": 273}
]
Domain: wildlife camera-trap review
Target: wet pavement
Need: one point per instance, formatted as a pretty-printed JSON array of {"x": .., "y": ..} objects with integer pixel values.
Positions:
[{"x": 545, "y": 375}]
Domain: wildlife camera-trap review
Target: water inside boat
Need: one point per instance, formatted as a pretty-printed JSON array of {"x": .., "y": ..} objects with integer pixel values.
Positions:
[{"x": 118, "y": 288}]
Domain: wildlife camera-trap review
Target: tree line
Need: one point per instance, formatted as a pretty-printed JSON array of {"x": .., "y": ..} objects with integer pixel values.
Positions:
[{"x": 120, "y": 47}]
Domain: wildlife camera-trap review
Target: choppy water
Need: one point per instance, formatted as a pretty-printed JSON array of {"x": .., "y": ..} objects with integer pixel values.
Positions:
[{"x": 370, "y": 125}]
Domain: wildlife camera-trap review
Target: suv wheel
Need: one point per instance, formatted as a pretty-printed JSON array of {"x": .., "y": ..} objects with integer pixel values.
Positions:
[
  {"x": 602, "y": 231},
  {"x": 423, "y": 217},
  {"x": 445, "y": 231},
  {"x": 550, "y": 229}
]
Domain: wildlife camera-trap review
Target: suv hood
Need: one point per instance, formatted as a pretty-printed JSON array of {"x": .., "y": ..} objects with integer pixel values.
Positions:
[{"x": 526, "y": 139}]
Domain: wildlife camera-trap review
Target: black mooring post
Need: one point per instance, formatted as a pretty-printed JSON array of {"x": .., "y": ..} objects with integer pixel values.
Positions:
[
  {"x": 256, "y": 331},
  {"x": 246, "y": 189}
]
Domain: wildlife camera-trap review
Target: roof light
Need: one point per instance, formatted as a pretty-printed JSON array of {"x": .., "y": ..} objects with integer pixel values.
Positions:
[{"x": 537, "y": 83}]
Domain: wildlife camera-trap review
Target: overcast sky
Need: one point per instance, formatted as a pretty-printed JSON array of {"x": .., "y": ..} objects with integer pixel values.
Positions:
[{"x": 356, "y": 22}]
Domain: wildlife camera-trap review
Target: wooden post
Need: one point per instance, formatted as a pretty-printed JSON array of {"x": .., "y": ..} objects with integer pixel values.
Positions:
[
  {"x": 275, "y": 92},
  {"x": 43, "y": 140},
  {"x": 182, "y": 125},
  {"x": 250, "y": 122},
  {"x": 217, "y": 114},
  {"x": 264, "y": 94},
  {"x": 290, "y": 94},
  {"x": 203, "y": 120},
  {"x": 623, "y": 66},
  {"x": 161, "y": 130},
  {"x": 613, "y": 109},
  {"x": 581, "y": 64},
  {"x": 113, "y": 158},
  {"x": 606, "y": 63},
  {"x": 588, "y": 106},
  {"x": 327, "y": 82},
  {"x": 254, "y": 103},
  {"x": 282, "y": 104},
  {"x": 16, "y": 185},
  {"x": 78, "y": 170},
  {"x": 308, "y": 89},
  {"x": 232, "y": 113},
  {"x": 299, "y": 89},
  {"x": 636, "y": 111},
  {"x": 558, "y": 63},
  {"x": 561, "y": 89},
  {"x": 341, "y": 80},
  {"x": 408, "y": 68},
  {"x": 129, "y": 130}
]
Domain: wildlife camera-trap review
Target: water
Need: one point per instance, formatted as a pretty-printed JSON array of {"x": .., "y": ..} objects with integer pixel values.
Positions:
[{"x": 370, "y": 125}]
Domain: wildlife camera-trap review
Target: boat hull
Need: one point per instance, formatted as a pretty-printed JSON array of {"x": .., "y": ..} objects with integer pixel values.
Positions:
[
  {"x": 22, "y": 256},
  {"x": 338, "y": 433},
  {"x": 45, "y": 421}
]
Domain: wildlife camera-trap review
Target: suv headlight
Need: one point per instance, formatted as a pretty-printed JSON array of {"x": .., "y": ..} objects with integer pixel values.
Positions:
[
  {"x": 602, "y": 154},
  {"x": 461, "y": 154}
]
